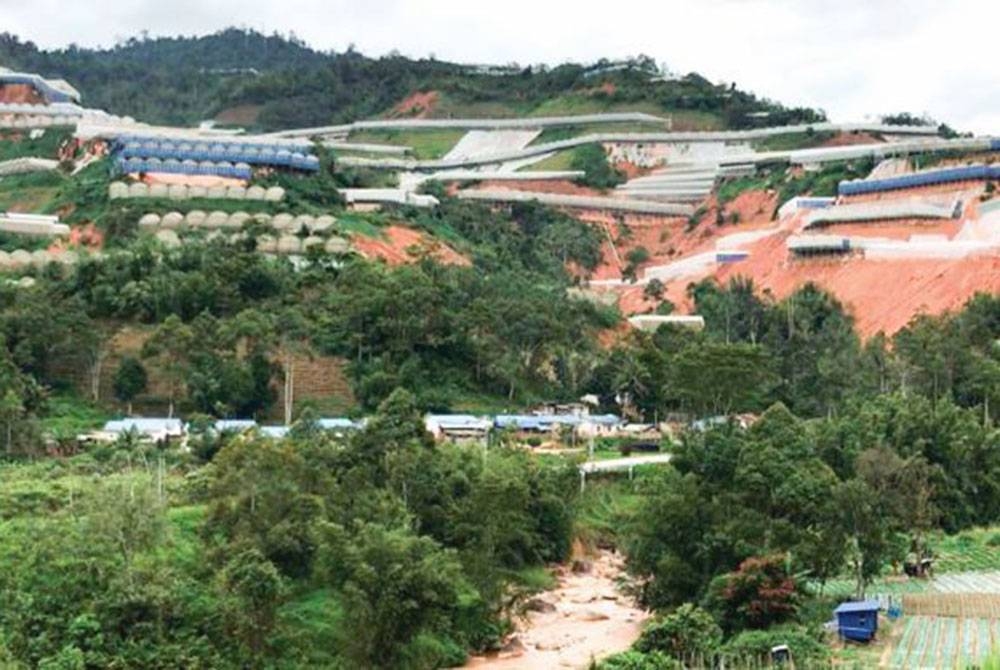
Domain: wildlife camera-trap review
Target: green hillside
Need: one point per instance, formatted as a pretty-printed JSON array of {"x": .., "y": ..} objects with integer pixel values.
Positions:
[{"x": 183, "y": 80}]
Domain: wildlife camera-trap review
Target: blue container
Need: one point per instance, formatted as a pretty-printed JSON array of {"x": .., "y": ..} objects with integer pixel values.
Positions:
[{"x": 857, "y": 621}]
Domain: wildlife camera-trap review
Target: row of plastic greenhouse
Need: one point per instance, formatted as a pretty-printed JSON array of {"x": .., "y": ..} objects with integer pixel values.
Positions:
[
  {"x": 269, "y": 244},
  {"x": 231, "y": 152},
  {"x": 259, "y": 143},
  {"x": 36, "y": 121},
  {"x": 884, "y": 210},
  {"x": 20, "y": 258},
  {"x": 173, "y": 166},
  {"x": 916, "y": 179},
  {"x": 120, "y": 190},
  {"x": 236, "y": 220}
]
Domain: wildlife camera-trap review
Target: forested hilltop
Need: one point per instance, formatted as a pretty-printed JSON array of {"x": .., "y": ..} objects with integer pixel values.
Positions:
[{"x": 280, "y": 82}]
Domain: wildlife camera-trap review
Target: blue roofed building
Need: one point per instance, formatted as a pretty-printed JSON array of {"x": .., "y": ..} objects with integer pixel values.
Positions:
[
  {"x": 154, "y": 429},
  {"x": 857, "y": 621}
]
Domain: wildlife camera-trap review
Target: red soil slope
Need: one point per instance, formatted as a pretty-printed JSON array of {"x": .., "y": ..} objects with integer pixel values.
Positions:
[
  {"x": 882, "y": 295},
  {"x": 668, "y": 238},
  {"x": 417, "y": 105},
  {"x": 898, "y": 229},
  {"x": 559, "y": 186},
  {"x": 404, "y": 245},
  {"x": 20, "y": 93},
  {"x": 848, "y": 139}
]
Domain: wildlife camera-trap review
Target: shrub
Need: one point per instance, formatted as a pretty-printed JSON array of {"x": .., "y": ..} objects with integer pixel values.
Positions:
[
  {"x": 598, "y": 172},
  {"x": 636, "y": 660},
  {"x": 806, "y": 648},
  {"x": 686, "y": 633},
  {"x": 759, "y": 594}
]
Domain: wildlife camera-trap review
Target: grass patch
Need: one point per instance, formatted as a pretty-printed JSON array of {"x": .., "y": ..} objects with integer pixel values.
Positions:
[
  {"x": 569, "y": 132},
  {"x": 359, "y": 224},
  {"x": 730, "y": 189},
  {"x": 444, "y": 232},
  {"x": 972, "y": 550},
  {"x": 976, "y": 549},
  {"x": 186, "y": 542},
  {"x": 604, "y": 508},
  {"x": 450, "y": 106},
  {"x": 84, "y": 196},
  {"x": 29, "y": 192},
  {"x": 69, "y": 415},
  {"x": 561, "y": 160},
  {"x": 17, "y": 143},
  {"x": 424, "y": 144},
  {"x": 791, "y": 141}
]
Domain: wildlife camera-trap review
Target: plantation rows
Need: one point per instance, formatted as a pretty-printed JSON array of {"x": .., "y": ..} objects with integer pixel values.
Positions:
[
  {"x": 933, "y": 642},
  {"x": 969, "y": 582},
  {"x": 974, "y": 605},
  {"x": 966, "y": 559},
  {"x": 964, "y": 582}
]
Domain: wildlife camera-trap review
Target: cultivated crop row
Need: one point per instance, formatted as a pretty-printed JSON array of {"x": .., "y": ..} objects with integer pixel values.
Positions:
[{"x": 944, "y": 643}]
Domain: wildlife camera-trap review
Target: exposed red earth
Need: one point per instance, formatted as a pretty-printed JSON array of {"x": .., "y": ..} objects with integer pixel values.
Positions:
[
  {"x": 560, "y": 186},
  {"x": 400, "y": 245},
  {"x": 848, "y": 139},
  {"x": 417, "y": 105},
  {"x": 883, "y": 295},
  {"x": 20, "y": 93}
]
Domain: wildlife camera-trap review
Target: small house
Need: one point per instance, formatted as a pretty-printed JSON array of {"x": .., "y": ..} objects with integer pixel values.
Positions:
[
  {"x": 153, "y": 430},
  {"x": 457, "y": 427},
  {"x": 857, "y": 621}
]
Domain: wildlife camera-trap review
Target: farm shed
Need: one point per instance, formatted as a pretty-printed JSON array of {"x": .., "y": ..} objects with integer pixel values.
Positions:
[
  {"x": 457, "y": 427},
  {"x": 857, "y": 621},
  {"x": 147, "y": 428}
]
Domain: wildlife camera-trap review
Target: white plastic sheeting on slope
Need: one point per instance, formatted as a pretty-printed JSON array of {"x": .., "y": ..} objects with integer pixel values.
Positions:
[
  {"x": 477, "y": 143},
  {"x": 911, "y": 208}
]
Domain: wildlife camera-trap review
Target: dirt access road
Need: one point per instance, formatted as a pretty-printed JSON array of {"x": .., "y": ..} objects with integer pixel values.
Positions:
[{"x": 585, "y": 617}]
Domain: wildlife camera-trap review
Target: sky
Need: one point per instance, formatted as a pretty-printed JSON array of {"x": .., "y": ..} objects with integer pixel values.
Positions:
[{"x": 856, "y": 59}]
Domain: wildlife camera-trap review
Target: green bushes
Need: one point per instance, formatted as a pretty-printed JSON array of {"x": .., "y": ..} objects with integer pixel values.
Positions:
[
  {"x": 807, "y": 648},
  {"x": 637, "y": 660},
  {"x": 17, "y": 144},
  {"x": 688, "y": 632},
  {"x": 598, "y": 172}
]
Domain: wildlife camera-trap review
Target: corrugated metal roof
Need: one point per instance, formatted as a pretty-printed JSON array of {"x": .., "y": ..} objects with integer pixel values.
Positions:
[
  {"x": 145, "y": 425},
  {"x": 860, "y": 606}
]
